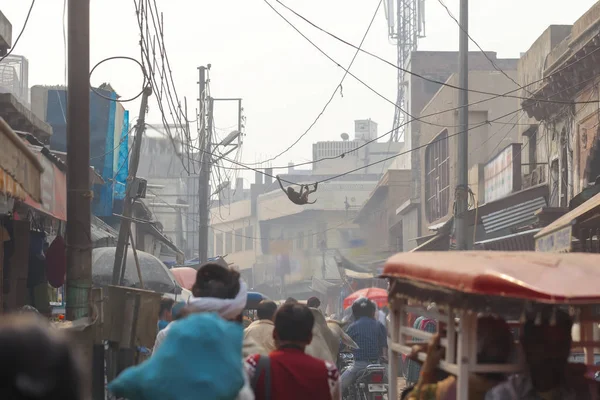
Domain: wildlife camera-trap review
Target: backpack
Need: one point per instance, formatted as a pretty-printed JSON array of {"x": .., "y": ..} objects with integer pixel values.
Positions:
[{"x": 264, "y": 364}]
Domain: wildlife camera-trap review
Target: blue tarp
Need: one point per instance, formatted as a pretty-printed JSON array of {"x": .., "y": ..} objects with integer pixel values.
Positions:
[{"x": 123, "y": 162}]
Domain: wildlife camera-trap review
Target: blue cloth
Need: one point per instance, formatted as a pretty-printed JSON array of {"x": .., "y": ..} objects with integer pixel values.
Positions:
[
  {"x": 370, "y": 336},
  {"x": 162, "y": 324},
  {"x": 200, "y": 358}
]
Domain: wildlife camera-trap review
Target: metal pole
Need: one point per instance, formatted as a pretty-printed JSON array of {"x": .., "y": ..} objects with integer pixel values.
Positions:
[
  {"x": 202, "y": 156},
  {"x": 240, "y": 116},
  {"x": 205, "y": 186},
  {"x": 137, "y": 261},
  {"x": 462, "y": 178},
  {"x": 79, "y": 196},
  {"x": 129, "y": 200}
]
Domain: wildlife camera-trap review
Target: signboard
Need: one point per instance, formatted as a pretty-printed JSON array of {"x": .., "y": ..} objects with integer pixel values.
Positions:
[
  {"x": 555, "y": 242},
  {"x": 502, "y": 175}
]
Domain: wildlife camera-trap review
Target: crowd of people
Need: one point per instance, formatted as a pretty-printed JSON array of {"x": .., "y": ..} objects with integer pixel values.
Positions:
[{"x": 204, "y": 350}]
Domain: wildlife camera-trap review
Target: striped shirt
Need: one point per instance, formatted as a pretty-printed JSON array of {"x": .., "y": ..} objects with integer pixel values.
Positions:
[{"x": 370, "y": 336}]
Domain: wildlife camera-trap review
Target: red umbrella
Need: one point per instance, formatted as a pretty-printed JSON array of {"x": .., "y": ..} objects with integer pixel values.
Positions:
[
  {"x": 185, "y": 276},
  {"x": 379, "y": 296}
]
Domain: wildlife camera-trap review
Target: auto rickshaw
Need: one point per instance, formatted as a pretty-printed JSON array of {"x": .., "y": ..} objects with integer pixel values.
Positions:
[{"x": 505, "y": 284}]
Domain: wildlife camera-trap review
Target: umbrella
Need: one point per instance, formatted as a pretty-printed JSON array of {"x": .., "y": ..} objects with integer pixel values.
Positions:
[
  {"x": 379, "y": 296},
  {"x": 185, "y": 276},
  {"x": 155, "y": 274}
]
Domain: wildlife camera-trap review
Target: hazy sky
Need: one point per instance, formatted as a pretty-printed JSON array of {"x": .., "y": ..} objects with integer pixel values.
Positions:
[{"x": 255, "y": 55}]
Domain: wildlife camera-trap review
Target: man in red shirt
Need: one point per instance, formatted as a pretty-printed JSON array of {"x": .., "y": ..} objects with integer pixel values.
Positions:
[{"x": 288, "y": 373}]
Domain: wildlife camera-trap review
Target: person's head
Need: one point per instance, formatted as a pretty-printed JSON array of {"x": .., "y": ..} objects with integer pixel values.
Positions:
[
  {"x": 494, "y": 341},
  {"x": 37, "y": 362},
  {"x": 546, "y": 342},
  {"x": 291, "y": 300},
  {"x": 293, "y": 325},
  {"x": 313, "y": 302},
  {"x": 164, "y": 312},
  {"x": 266, "y": 310},
  {"x": 217, "y": 281},
  {"x": 363, "y": 307},
  {"x": 179, "y": 311}
]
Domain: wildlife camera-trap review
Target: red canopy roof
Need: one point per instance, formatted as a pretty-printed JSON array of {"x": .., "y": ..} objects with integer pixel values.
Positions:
[{"x": 542, "y": 277}]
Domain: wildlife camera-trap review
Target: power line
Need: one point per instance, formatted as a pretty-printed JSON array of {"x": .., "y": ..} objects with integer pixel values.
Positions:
[
  {"x": 337, "y": 88},
  {"x": 479, "y": 47},
  {"x": 494, "y": 95},
  {"x": 20, "y": 33},
  {"x": 358, "y": 48}
]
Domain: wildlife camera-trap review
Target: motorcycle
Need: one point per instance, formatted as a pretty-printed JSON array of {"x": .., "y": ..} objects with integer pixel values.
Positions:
[{"x": 371, "y": 384}]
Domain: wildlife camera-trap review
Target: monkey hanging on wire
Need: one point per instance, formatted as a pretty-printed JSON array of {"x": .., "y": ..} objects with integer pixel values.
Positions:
[{"x": 300, "y": 198}]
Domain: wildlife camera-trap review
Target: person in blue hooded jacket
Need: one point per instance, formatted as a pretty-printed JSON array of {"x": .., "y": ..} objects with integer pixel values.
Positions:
[{"x": 199, "y": 355}]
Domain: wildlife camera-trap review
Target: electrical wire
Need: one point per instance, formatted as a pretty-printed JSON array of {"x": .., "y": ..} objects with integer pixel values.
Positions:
[
  {"x": 494, "y": 95},
  {"x": 119, "y": 58},
  {"x": 337, "y": 88},
  {"x": 479, "y": 47},
  {"x": 20, "y": 33}
]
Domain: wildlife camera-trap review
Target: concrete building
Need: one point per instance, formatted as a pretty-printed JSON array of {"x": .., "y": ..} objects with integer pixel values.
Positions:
[
  {"x": 439, "y": 132},
  {"x": 381, "y": 229},
  {"x": 563, "y": 132},
  {"x": 358, "y": 152}
]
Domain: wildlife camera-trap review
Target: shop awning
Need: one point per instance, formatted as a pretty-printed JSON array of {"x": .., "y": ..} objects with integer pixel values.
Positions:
[
  {"x": 557, "y": 235},
  {"x": 322, "y": 286},
  {"x": 53, "y": 187},
  {"x": 358, "y": 275},
  {"x": 440, "y": 242},
  {"x": 20, "y": 169},
  {"x": 521, "y": 241}
]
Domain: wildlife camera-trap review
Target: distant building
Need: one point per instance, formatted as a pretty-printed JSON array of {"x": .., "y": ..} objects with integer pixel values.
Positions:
[{"x": 362, "y": 155}]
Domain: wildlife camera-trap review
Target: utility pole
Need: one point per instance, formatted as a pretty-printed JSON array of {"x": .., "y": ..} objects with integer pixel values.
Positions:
[
  {"x": 120, "y": 255},
  {"x": 462, "y": 178},
  {"x": 79, "y": 196},
  {"x": 202, "y": 189},
  {"x": 205, "y": 185}
]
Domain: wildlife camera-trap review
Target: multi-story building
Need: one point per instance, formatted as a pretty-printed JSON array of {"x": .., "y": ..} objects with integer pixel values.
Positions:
[
  {"x": 363, "y": 153},
  {"x": 561, "y": 68}
]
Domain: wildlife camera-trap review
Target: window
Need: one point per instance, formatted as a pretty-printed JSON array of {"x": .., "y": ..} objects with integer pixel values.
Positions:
[
  {"x": 300, "y": 241},
  {"x": 531, "y": 148},
  {"x": 310, "y": 240},
  {"x": 249, "y": 238},
  {"x": 228, "y": 243},
  {"x": 437, "y": 178},
  {"x": 239, "y": 240},
  {"x": 219, "y": 244}
]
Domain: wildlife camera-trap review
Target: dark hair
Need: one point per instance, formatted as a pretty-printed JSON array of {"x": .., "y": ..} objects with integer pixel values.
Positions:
[
  {"x": 313, "y": 302},
  {"x": 214, "y": 280},
  {"x": 363, "y": 307},
  {"x": 291, "y": 300},
  {"x": 266, "y": 309},
  {"x": 37, "y": 362},
  {"x": 494, "y": 340},
  {"x": 294, "y": 323},
  {"x": 547, "y": 317},
  {"x": 166, "y": 304}
]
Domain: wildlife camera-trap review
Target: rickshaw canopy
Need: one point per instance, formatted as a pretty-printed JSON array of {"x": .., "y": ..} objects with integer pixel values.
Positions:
[{"x": 538, "y": 277}]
